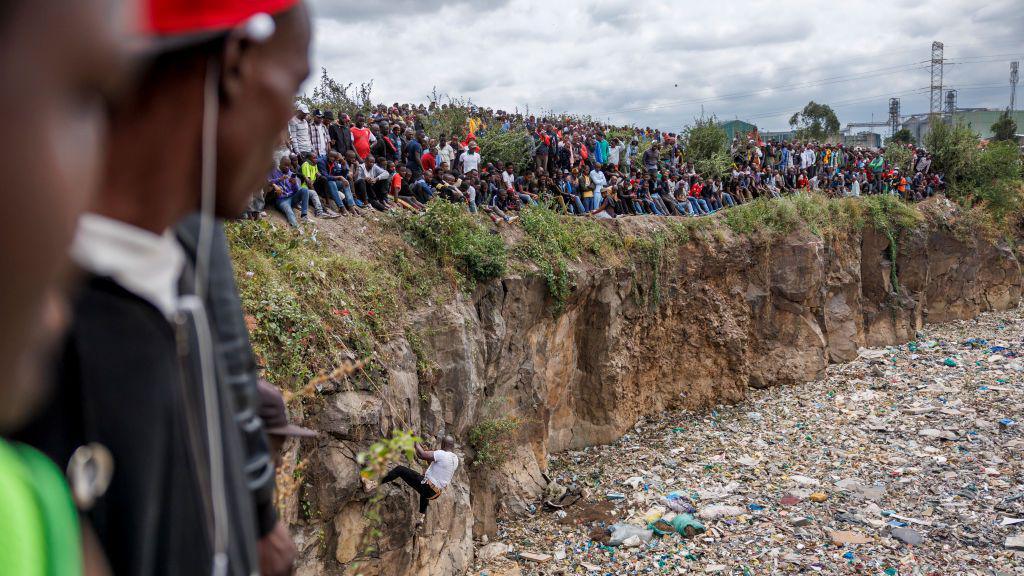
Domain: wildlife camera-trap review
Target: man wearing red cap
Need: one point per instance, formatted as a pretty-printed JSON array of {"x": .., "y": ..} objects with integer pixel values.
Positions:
[{"x": 152, "y": 373}]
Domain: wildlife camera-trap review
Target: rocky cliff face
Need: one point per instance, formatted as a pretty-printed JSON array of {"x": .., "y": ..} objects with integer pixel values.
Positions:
[{"x": 718, "y": 316}]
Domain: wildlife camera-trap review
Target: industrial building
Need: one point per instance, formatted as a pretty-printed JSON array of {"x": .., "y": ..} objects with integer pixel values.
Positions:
[{"x": 978, "y": 119}]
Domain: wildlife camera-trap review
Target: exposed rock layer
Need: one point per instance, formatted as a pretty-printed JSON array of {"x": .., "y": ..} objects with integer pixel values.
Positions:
[{"x": 720, "y": 316}]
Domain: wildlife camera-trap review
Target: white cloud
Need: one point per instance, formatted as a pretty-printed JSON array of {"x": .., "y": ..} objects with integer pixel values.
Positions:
[{"x": 657, "y": 62}]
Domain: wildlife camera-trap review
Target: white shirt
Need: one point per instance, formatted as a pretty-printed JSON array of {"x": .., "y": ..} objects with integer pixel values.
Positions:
[
  {"x": 441, "y": 470},
  {"x": 447, "y": 154},
  {"x": 597, "y": 177},
  {"x": 298, "y": 135},
  {"x": 613, "y": 154},
  {"x": 470, "y": 162},
  {"x": 509, "y": 180},
  {"x": 146, "y": 264},
  {"x": 807, "y": 158}
]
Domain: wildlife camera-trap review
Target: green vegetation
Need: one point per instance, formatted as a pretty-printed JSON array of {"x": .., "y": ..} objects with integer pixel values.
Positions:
[
  {"x": 458, "y": 241},
  {"x": 447, "y": 119},
  {"x": 891, "y": 216},
  {"x": 376, "y": 461},
  {"x": 822, "y": 216},
  {"x": 707, "y": 146},
  {"x": 1005, "y": 128},
  {"x": 899, "y": 156},
  {"x": 330, "y": 94},
  {"x": 902, "y": 136},
  {"x": 649, "y": 257},
  {"x": 513, "y": 147},
  {"x": 815, "y": 122},
  {"x": 553, "y": 240},
  {"x": 492, "y": 441},
  {"x": 310, "y": 308},
  {"x": 988, "y": 178}
]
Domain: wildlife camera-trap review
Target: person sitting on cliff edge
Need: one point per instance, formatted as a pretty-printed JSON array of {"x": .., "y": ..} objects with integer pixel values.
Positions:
[{"x": 431, "y": 483}]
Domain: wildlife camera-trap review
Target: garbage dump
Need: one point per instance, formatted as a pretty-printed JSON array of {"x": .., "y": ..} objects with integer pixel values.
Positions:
[{"x": 905, "y": 461}]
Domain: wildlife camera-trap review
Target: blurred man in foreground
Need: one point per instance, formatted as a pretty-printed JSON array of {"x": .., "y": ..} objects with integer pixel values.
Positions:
[
  {"x": 155, "y": 370},
  {"x": 53, "y": 96}
]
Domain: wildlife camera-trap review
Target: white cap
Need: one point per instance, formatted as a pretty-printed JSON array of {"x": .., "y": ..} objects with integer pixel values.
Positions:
[{"x": 301, "y": 107}]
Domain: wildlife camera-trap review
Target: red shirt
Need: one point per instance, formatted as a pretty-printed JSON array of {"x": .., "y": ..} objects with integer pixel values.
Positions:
[
  {"x": 396, "y": 184},
  {"x": 696, "y": 189},
  {"x": 361, "y": 141},
  {"x": 427, "y": 161}
]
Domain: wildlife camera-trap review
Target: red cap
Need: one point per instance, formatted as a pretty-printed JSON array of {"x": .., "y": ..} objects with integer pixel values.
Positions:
[{"x": 186, "y": 17}]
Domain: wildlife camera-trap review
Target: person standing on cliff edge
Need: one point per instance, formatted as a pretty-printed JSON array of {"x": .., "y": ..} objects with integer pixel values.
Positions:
[{"x": 430, "y": 484}]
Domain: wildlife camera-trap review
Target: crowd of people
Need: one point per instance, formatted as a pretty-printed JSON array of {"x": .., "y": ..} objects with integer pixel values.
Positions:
[
  {"x": 137, "y": 436},
  {"x": 383, "y": 160}
]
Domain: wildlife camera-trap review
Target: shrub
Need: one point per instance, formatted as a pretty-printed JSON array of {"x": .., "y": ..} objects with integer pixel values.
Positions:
[
  {"x": 458, "y": 239},
  {"x": 990, "y": 178},
  {"x": 451, "y": 119},
  {"x": 512, "y": 147},
  {"x": 899, "y": 156},
  {"x": 552, "y": 240},
  {"x": 309, "y": 306},
  {"x": 707, "y": 146},
  {"x": 492, "y": 441},
  {"x": 953, "y": 148},
  {"x": 329, "y": 94}
]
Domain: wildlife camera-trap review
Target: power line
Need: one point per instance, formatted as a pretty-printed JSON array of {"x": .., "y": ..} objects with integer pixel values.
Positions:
[
  {"x": 845, "y": 103},
  {"x": 785, "y": 87}
]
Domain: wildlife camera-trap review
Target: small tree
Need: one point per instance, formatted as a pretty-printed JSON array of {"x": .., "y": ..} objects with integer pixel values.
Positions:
[
  {"x": 1005, "y": 128},
  {"x": 902, "y": 136},
  {"x": 815, "y": 122},
  {"x": 953, "y": 148},
  {"x": 330, "y": 94},
  {"x": 512, "y": 147},
  {"x": 898, "y": 156},
  {"x": 706, "y": 144}
]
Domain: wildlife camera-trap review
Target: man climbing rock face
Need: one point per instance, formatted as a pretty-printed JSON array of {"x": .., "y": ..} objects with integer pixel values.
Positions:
[{"x": 431, "y": 483}]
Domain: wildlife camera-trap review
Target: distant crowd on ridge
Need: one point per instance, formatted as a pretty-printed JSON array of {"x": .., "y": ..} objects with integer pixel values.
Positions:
[{"x": 331, "y": 165}]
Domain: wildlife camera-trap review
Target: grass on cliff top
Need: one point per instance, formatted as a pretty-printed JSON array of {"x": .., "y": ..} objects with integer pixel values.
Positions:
[
  {"x": 458, "y": 241},
  {"x": 551, "y": 241},
  {"x": 310, "y": 308},
  {"x": 822, "y": 216}
]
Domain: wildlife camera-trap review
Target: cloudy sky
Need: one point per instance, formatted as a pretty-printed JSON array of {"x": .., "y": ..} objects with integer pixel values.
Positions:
[{"x": 658, "y": 62}]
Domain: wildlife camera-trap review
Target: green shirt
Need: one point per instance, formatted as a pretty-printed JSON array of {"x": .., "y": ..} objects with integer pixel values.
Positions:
[
  {"x": 39, "y": 534},
  {"x": 310, "y": 171}
]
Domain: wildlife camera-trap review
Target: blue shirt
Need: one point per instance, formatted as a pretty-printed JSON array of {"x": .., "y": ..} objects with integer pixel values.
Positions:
[
  {"x": 286, "y": 180},
  {"x": 413, "y": 153}
]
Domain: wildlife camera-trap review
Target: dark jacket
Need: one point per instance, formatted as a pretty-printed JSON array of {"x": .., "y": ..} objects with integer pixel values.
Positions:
[
  {"x": 129, "y": 379},
  {"x": 237, "y": 367},
  {"x": 341, "y": 137}
]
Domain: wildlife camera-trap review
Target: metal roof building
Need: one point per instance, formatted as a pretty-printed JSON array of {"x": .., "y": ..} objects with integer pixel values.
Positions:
[
  {"x": 978, "y": 119},
  {"x": 737, "y": 129}
]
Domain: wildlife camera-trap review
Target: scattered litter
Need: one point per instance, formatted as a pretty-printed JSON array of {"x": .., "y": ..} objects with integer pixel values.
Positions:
[
  {"x": 843, "y": 537},
  {"x": 895, "y": 463},
  {"x": 907, "y": 536},
  {"x": 719, "y": 511}
]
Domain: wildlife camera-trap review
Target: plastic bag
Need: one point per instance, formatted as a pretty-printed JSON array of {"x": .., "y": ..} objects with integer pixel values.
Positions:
[{"x": 620, "y": 532}]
